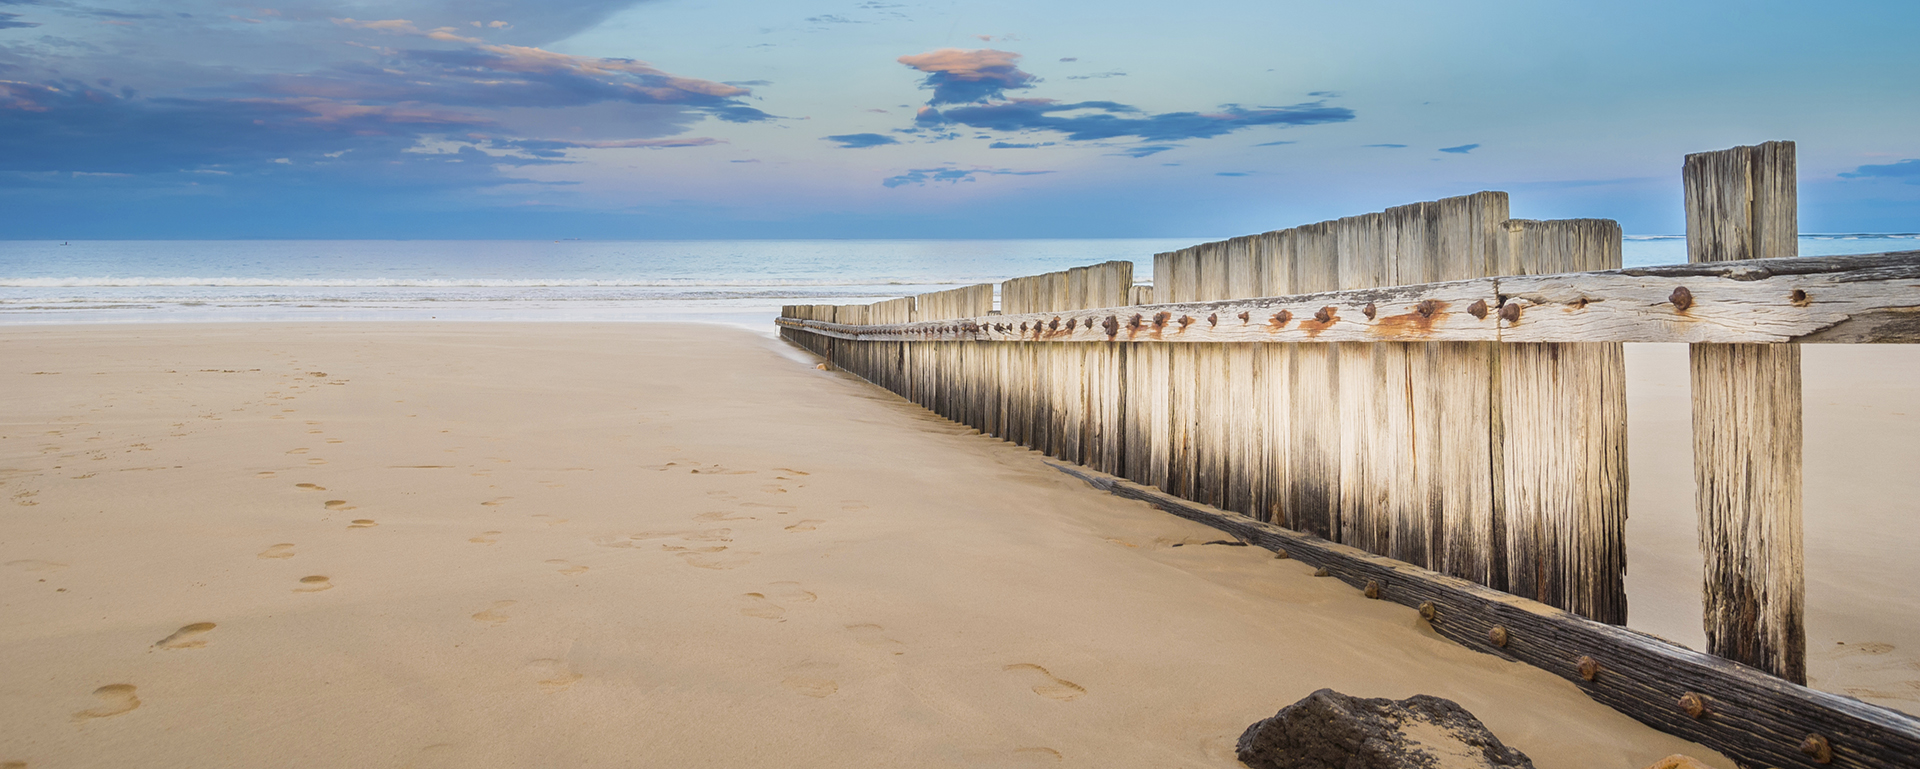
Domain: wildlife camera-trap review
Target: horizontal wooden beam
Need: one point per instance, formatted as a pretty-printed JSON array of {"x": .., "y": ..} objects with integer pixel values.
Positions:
[
  {"x": 1836, "y": 299},
  {"x": 1747, "y": 714}
]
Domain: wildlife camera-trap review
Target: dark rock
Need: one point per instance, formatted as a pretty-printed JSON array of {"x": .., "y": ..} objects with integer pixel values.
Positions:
[{"x": 1330, "y": 730}]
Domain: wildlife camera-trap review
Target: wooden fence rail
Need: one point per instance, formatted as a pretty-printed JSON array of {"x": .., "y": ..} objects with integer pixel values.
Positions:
[{"x": 1443, "y": 386}]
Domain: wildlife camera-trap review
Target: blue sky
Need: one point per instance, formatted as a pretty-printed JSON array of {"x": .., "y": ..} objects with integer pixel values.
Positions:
[{"x": 874, "y": 118}]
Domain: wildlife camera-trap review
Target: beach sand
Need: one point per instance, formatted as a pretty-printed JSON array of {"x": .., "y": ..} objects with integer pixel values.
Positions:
[{"x": 426, "y": 545}]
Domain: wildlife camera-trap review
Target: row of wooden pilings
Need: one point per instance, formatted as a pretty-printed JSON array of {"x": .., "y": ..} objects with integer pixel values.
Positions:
[{"x": 1500, "y": 463}]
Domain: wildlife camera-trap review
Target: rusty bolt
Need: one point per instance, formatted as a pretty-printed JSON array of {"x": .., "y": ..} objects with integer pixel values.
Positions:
[
  {"x": 1071, "y": 322},
  {"x": 1324, "y": 314},
  {"x": 1428, "y": 611},
  {"x": 1369, "y": 310},
  {"x": 1023, "y": 327},
  {"x": 1817, "y": 748},
  {"x": 1135, "y": 323},
  {"x": 1681, "y": 298},
  {"x": 1580, "y": 304},
  {"x": 1589, "y": 667},
  {"x": 1282, "y": 317},
  {"x": 1799, "y": 298},
  {"x": 1245, "y": 316},
  {"x": 1478, "y": 309},
  {"x": 1280, "y": 555},
  {"x": 1497, "y": 636},
  {"x": 1695, "y": 704},
  {"x": 1160, "y": 319},
  {"x": 1112, "y": 325},
  {"x": 1213, "y": 320},
  {"x": 1322, "y": 572},
  {"x": 1373, "y": 589},
  {"x": 1426, "y": 308},
  {"x": 1510, "y": 312},
  {"x": 1185, "y": 321}
]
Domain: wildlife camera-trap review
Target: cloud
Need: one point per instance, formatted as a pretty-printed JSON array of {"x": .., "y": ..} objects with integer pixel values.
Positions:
[
  {"x": 1387, "y": 146},
  {"x": 1014, "y": 146},
  {"x": 862, "y": 141},
  {"x": 1234, "y": 173},
  {"x": 1071, "y": 58},
  {"x": 1904, "y": 169},
  {"x": 950, "y": 175},
  {"x": 551, "y": 148},
  {"x": 1460, "y": 150},
  {"x": 7, "y": 21},
  {"x": 1098, "y": 75},
  {"x": 1144, "y": 150},
  {"x": 1092, "y": 120},
  {"x": 961, "y": 77},
  {"x": 832, "y": 19},
  {"x": 1274, "y": 144},
  {"x": 1325, "y": 94}
]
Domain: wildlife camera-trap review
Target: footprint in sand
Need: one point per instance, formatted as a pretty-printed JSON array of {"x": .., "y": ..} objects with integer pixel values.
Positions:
[
  {"x": 773, "y": 489},
  {"x": 806, "y": 525},
  {"x": 494, "y": 614},
  {"x": 335, "y": 440},
  {"x": 721, "y": 515},
  {"x": 485, "y": 538},
  {"x": 757, "y": 605},
  {"x": 115, "y": 699},
  {"x": 570, "y": 568},
  {"x": 361, "y": 523},
  {"x": 316, "y": 461},
  {"x": 717, "y": 562},
  {"x": 694, "y": 548},
  {"x": 266, "y": 474},
  {"x": 874, "y": 637},
  {"x": 1049, "y": 686},
  {"x": 494, "y": 502},
  {"x": 313, "y": 584},
  {"x": 31, "y": 564},
  {"x": 298, "y": 451},
  {"x": 552, "y": 675},
  {"x": 852, "y": 505},
  {"x": 791, "y": 592},
  {"x": 309, "y": 487},
  {"x": 812, "y": 687},
  {"x": 337, "y": 504},
  {"x": 1037, "y": 756},
  {"x": 792, "y": 471},
  {"x": 187, "y": 637},
  {"x": 282, "y": 550}
]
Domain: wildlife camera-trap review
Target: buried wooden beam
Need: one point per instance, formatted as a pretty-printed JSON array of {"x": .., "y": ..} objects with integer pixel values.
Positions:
[
  {"x": 1747, "y": 714},
  {"x": 1865, "y": 298}
]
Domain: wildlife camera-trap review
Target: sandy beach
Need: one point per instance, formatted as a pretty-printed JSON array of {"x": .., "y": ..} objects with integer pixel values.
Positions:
[{"x": 583, "y": 545}]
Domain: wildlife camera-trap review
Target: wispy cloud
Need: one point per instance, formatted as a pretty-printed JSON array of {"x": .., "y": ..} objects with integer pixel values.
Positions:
[
  {"x": 1145, "y": 151},
  {"x": 959, "y": 77},
  {"x": 1098, "y": 75},
  {"x": 951, "y": 175},
  {"x": 1460, "y": 150},
  {"x": 1095, "y": 120},
  {"x": 861, "y": 141},
  {"x": 1274, "y": 144},
  {"x": 1908, "y": 170},
  {"x": 1017, "y": 146},
  {"x": 11, "y": 21}
]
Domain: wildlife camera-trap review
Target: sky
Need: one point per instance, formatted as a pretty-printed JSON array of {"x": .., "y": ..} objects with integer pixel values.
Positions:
[{"x": 942, "y": 119}]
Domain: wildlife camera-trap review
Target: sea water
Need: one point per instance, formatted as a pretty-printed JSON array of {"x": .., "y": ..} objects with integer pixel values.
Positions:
[{"x": 741, "y": 282}]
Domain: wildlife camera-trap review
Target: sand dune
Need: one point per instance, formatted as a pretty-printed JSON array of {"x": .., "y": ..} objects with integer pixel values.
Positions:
[{"x": 418, "y": 545}]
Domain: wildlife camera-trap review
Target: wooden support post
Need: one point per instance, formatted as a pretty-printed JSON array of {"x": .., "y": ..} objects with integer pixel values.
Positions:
[{"x": 1746, "y": 421}]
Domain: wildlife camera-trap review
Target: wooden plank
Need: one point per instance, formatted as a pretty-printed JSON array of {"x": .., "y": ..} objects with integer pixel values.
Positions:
[
  {"x": 1274, "y": 263},
  {"x": 1459, "y": 414},
  {"x": 1864, "y": 298},
  {"x": 1563, "y": 441},
  {"x": 1750, "y": 716},
  {"x": 1313, "y": 441},
  {"x": 1746, "y": 422}
]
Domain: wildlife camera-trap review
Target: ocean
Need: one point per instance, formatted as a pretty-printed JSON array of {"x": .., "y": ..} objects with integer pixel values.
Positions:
[{"x": 738, "y": 282}]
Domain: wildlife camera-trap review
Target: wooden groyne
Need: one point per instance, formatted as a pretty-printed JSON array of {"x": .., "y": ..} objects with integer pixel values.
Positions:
[{"x": 1430, "y": 403}]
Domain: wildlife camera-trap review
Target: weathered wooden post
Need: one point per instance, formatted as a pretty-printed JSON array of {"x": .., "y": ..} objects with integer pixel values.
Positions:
[{"x": 1746, "y": 420}]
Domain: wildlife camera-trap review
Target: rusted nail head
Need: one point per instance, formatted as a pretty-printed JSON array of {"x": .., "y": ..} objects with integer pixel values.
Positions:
[
  {"x": 1070, "y": 323},
  {"x": 1497, "y": 636},
  {"x": 1369, "y": 310},
  {"x": 1214, "y": 319},
  {"x": 1324, "y": 315},
  {"x": 1799, "y": 298},
  {"x": 1135, "y": 323},
  {"x": 1160, "y": 319},
  {"x": 1426, "y": 308},
  {"x": 1589, "y": 667},
  {"x": 1817, "y": 748},
  {"x": 1245, "y": 317},
  {"x": 1055, "y": 325},
  {"x": 1373, "y": 589},
  {"x": 1478, "y": 309},
  {"x": 1023, "y": 327},
  {"x": 1695, "y": 704},
  {"x": 1510, "y": 312},
  {"x": 1428, "y": 611},
  {"x": 1282, "y": 317},
  {"x": 1186, "y": 320},
  {"x": 1681, "y": 298}
]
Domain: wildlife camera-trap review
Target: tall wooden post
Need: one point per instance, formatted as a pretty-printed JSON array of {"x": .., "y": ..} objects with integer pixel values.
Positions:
[{"x": 1746, "y": 421}]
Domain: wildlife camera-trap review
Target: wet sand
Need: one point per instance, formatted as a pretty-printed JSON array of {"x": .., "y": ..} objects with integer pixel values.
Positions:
[{"x": 618, "y": 545}]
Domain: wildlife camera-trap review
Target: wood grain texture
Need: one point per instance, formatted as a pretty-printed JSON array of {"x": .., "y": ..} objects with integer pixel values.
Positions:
[
  {"x": 1746, "y": 422},
  {"x": 1753, "y": 717}
]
